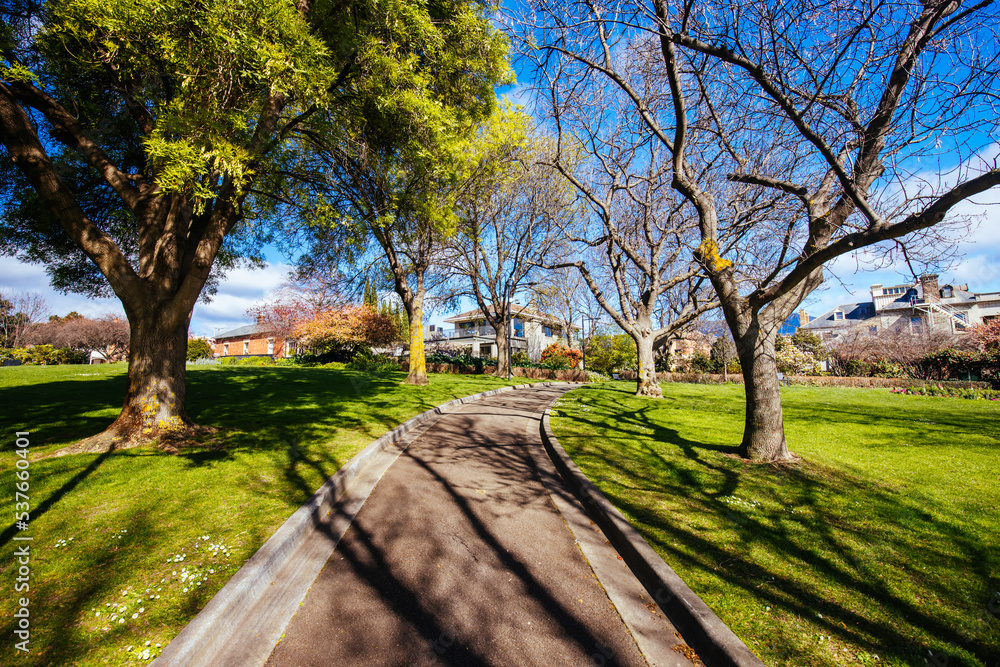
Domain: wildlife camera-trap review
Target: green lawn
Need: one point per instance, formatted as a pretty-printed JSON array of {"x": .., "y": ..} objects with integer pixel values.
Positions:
[
  {"x": 884, "y": 542},
  {"x": 127, "y": 547}
]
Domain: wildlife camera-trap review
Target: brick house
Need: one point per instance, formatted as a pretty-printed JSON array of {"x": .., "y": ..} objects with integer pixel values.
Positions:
[{"x": 252, "y": 340}]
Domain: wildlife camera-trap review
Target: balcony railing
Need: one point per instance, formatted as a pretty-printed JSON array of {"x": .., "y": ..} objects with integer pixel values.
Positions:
[{"x": 468, "y": 332}]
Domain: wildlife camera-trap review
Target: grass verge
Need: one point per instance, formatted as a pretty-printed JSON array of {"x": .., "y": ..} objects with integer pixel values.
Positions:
[
  {"x": 127, "y": 547},
  {"x": 881, "y": 548}
]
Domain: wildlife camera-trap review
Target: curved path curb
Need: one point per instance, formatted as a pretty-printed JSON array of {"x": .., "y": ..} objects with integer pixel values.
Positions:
[
  {"x": 289, "y": 561},
  {"x": 712, "y": 639}
]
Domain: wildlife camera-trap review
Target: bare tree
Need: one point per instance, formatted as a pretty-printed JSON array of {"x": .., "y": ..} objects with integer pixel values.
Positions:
[
  {"x": 563, "y": 293},
  {"x": 796, "y": 133},
  {"x": 108, "y": 335},
  {"x": 510, "y": 216},
  {"x": 19, "y": 312},
  {"x": 634, "y": 242},
  {"x": 316, "y": 290}
]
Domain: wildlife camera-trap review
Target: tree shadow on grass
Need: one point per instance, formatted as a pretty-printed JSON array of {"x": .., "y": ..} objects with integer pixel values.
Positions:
[
  {"x": 37, "y": 511},
  {"x": 832, "y": 537},
  {"x": 57, "y": 412}
]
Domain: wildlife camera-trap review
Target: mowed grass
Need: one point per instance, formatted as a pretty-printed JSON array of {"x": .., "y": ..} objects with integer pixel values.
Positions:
[
  {"x": 128, "y": 547},
  {"x": 881, "y": 548}
]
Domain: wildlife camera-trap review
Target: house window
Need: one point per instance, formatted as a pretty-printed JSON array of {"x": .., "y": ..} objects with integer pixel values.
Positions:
[
  {"x": 519, "y": 328},
  {"x": 270, "y": 346},
  {"x": 915, "y": 324},
  {"x": 288, "y": 348},
  {"x": 838, "y": 315},
  {"x": 225, "y": 349},
  {"x": 547, "y": 331},
  {"x": 246, "y": 347},
  {"x": 946, "y": 293}
]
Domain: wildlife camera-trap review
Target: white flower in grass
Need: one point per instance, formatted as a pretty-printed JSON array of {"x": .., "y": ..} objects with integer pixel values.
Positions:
[
  {"x": 142, "y": 609},
  {"x": 121, "y": 620},
  {"x": 147, "y": 642},
  {"x": 136, "y": 615}
]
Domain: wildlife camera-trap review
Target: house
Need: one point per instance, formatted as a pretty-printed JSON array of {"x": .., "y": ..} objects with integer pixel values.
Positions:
[
  {"x": 690, "y": 344},
  {"x": 532, "y": 331},
  {"x": 919, "y": 307},
  {"x": 252, "y": 340}
]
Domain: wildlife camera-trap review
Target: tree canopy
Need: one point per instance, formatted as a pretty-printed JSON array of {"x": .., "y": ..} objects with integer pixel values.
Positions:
[{"x": 160, "y": 138}]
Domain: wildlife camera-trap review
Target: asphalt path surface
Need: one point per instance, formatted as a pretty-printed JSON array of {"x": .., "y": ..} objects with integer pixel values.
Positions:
[{"x": 459, "y": 557}]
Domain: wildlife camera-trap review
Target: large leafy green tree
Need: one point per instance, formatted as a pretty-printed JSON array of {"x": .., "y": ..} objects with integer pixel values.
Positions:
[
  {"x": 156, "y": 138},
  {"x": 388, "y": 203}
]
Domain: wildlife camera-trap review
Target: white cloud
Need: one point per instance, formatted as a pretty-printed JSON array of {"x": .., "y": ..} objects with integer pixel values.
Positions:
[
  {"x": 17, "y": 276},
  {"x": 241, "y": 289}
]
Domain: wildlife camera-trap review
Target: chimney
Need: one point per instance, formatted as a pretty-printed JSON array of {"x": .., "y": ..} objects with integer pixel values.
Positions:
[
  {"x": 803, "y": 318},
  {"x": 929, "y": 286}
]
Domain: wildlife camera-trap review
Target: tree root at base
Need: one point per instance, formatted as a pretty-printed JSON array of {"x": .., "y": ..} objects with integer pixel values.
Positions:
[{"x": 171, "y": 440}]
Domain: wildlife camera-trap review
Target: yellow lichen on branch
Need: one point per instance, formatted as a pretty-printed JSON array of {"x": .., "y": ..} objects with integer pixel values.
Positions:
[
  {"x": 708, "y": 252},
  {"x": 418, "y": 363}
]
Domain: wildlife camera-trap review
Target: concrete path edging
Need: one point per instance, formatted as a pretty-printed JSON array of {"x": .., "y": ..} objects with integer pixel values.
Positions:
[
  {"x": 714, "y": 642},
  {"x": 218, "y": 625}
]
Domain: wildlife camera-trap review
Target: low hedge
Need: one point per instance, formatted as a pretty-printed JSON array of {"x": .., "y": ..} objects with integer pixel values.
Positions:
[
  {"x": 572, "y": 375},
  {"x": 254, "y": 361},
  {"x": 815, "y": 381}
]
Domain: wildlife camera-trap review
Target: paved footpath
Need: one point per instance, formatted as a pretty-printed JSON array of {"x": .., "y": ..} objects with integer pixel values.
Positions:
[{"x": 459, "y": 557}]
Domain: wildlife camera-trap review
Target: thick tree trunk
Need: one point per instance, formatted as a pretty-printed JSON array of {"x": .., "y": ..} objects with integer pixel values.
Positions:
[
  {"x": 764, "y": 429},
  {"x": 503, "y": 360},
  {"x": 418, "y": 361},
  {"x": 154, "y": 407},
  {"x": 646, "y": 382}
]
